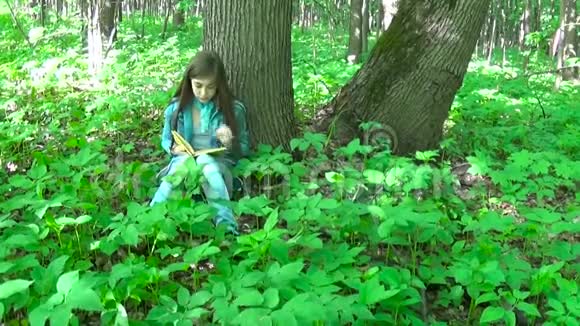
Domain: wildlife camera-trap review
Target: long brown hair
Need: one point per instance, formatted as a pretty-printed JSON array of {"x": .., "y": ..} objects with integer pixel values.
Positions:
[{"x": 208, "y": 64}]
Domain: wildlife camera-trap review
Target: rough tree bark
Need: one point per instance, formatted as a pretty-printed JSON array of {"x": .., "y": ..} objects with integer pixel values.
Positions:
[
  {"x": 253, "y": 39},
  {"x": 525, "y": 31},
  {"x": 179, "y": 14},
  {"x": 355, "y": 32},
  {"x": 504, "y": 30},
  {"x": 389, "y": 8},
  {"x": 410, "y": 80},
  {"x": 365, "y": 25},
  {"x": 568, "y": 43},
  {"x": 492, "y": 38},
  {"x": 101, "y": 32},
  {"x": 168, "y": 9}
]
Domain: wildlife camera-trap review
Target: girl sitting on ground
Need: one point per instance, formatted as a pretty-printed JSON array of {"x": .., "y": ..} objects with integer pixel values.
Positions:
[{"x": 204, "y": 112}]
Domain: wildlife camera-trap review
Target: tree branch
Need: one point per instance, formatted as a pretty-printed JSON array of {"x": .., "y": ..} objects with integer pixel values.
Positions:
[{"x": 17, "y": 22}]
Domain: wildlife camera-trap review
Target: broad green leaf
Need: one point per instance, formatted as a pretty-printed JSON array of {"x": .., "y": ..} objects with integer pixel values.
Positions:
[
  {"x": 122, "y": 317},
  {"x": 5, "y": 266},
  {"x": 200, "y": 298},
  {"x": 249, "y": 297},
  {"x": 20, "y": 240},
  {"x": 131, "y": 235},
  {"x": 271, "y": 298},
  {"x": 493, "y": 221},
  {"x": 119, "y": 272},
  {"x": 288, "y": 272},
  {"x": 361, "y": 311},
  {"x": 376, "y": 211},
  {"x": 183, "y": 296},
  {"x": 521, "y": 295},
  {"x": 84, "y": 298},
  {"x": 328, "y": 203},
  {"x": 510, "y": 318},
  {"x": 252, "y": 278},
  {"x": 304, "y": 308},
  {"x": 528, "y": 309},
  {"x": 334, "y": 177},
  {"x": 65, "y": 221},
  {"x": 426, "y": 155},
  {"x": 541, "y": 215},
  {"x": 219, "y": 290},
  {"x": 372, "y": 292},
  {"x": 491, "y": 314},
  {"x": 37, "y": 172},
  {"x": 295, "y": 142},
  {"x": 60, "y": 316},
  {"x": 374, "y": 176},
  {"x": 1, "y": 310},
  {"x": 39, "y": 315},
  {"x": 487, "y": 297},
  {"x": 556, "y": 305},
  {"x": 6, "y": 221},
  {"x": 279, "y": 250},
  {"x": 272, "y": 221},
  {"x": 311, "y": 241},
  {"x": 44, "y": 207},
  {"x": 83, "y": 219},
  {"x": 194, "y": 255},
  {"x": 280, "y": 168},
  {"x": 479, "y": 165},
  {"x": 195, "y": 313},
  {"x": 55, "y": 299},
  {"x": 53, "y": 271},
  {"x": 157, "y": 313},
  {"x": 66, "y": 282},
  {"x": 12, "y": 287},
  {"x": 20, "y": 181},
  {"x": 284, "y": 317},
  {"x": 253, "y": 316},
  {"x": 386, "y": 228}
]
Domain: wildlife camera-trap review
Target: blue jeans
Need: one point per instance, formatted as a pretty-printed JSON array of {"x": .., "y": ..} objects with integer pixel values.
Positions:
[{"x": 218, "y": 179}]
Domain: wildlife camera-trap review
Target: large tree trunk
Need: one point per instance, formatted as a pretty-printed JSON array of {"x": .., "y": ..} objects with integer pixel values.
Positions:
[
  {"x": 525, "y": 31},
  {"x": 365, "y": 25},
  {"x": 410, "y": 80},
  {"x": 109, "y": 21},
  {"x": 568, "y": 43},
  {"x": 95, "y": 41},
  {"x": 504, "y": 32},
  {"x": 355, "y": 33},
  {"x": 101, "y": 32},
  {"x": 389, "y": 8},
  {"x": 253, "y": 39},
  {"x": 168, "y": 9},
  {"x": 492, "y": 38}
]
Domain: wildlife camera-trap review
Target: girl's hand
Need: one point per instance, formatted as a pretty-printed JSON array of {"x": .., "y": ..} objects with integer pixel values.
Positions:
[
  {"x": 178, "y": 149},
  {"x": 224, "y": 135}
]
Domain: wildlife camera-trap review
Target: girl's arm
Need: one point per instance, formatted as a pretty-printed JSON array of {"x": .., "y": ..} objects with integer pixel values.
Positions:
[{"x": 166, "y": 137}]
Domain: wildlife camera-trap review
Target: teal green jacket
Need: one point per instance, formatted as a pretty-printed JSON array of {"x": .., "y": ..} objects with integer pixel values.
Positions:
[{"x": 216, "y": 119}]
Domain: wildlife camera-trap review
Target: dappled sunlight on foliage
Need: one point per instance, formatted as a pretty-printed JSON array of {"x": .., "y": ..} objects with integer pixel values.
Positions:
[{"x": 477, "y": 229}]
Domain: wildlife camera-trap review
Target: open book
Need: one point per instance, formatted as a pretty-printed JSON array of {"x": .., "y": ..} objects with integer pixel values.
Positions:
[{"x": 190, "y": 150}]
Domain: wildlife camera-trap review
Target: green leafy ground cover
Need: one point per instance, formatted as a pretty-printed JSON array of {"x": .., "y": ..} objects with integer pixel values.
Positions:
[{"x": 482, "y": 230}]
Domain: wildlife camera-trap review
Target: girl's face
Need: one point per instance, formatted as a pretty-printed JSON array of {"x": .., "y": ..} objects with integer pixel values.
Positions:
[{"x": 204, "y": 88}]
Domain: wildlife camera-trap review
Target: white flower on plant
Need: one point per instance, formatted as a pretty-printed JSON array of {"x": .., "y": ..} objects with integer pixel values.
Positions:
[{"x": 11, "y": 167}]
